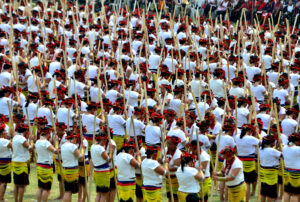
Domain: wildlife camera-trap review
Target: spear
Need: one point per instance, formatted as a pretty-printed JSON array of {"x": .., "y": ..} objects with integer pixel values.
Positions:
[{"x": 199, "y": 161}]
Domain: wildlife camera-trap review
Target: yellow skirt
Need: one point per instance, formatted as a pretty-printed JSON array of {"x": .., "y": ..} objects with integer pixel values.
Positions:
[
  {"x": 102, "y": 179},
  {"x": 152, "y": 194},
  {"x": 20, "y": 167},
  {"x": 292, "y": 178},
  {"x": 182, "y": 196},
  {"x": 119, "y": 141},
  {"x": 249, "y": 164},
  {"x": 174, "y": 183},
  {"x": 70, "y": 174},
  {"x": 237, "y": 193},
  {"x": 5, "y": 169},
  {"x": 206, "y": 187},
  {"x": 44, "y": 173},
  {"x": 126, "y": 190},
  {"x": 83, "y": 170},
  {"x": 269, "y": 175}
]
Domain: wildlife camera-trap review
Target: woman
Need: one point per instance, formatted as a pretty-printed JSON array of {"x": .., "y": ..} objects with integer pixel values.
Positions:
[
  {"x": 188, "y": 178},
  {"x": 5, "y": 161},
  {"x": 172, "y": 158},
  {"x": 117, "y": 123},
  {"x": 205, "y": 164},
  {"x": 291, "y": 156},
  {"x": 126, "y": 164},
  {"x": 178, "y": 131},
  {"x": 153, "y": 132},
  {"x": 269, "y": 162},
  {"x": 100, "y": 159},
  {"x": 70, "y": 156},
  {"x": 44, "y": 152},
  {"x": 152, "y": 175},
  {"x": 246, "y": 147},
  {"x": 264, "y": 115},
  {"x": 20, "y": 160},
  {"x": 232, "y": 174},
  {"x": 242, "y": 112}
]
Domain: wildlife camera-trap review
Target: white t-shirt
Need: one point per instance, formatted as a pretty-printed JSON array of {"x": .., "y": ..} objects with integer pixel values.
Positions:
[
  {"x": 269, "y": 157},
  {"x": 117, "y": 123},
  {"x": 259, "y": 92},
  {"x": 217, "y": 87},
  {"x": 4, "y": 102},
  {"x": 94, "y": 94},
  {"x": 20, "y": 153},
  {"x": 291, "y": 156},
  {"x": 96, "y": 152},
  {"x": 176, "y": 155},
  {"x": 126, "y": 172},
  {"x": 281, "y": 94},
  {"x": 132, "y": 98},
  {"x": 67, "y": 155},
  {"x": 43, "y": 154},
  {"x": 247, "y": 145},
  {"x": 225, "y": 140},
  {"x": 150, "y": 177},
  {"x": 218, "y": 112},
  {"x": 112, "y": 95},
  {"x": 62, "y": 115},
  {"x": 88, "y": 122},
  {"x": 79, "y": 88},
  {"x": 5, "y": 78},
  {"x": 204, "y": 156},
  {"x": 138, "y": 125},
  {"x": 44, "y": 111},
  {"x": 30, "y": 84},
  {"x": 187, "y": 181},
  {"x": 237, "y": 91},
  {"x": 152, "y": 134},
  {"x": 240, "y": 176},
  {"x": 288, "y": 126},
  {"x": 5, "y": 152},
  {"x": 204, "y": 139},
  {"x": 251, "y": 71},
  {"x": 265, "y": 119},
  {"x": 242, "y": 114}
]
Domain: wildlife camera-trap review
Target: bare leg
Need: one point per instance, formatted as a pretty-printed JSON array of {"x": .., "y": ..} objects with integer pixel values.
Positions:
[
  {"x": 67, "y": 197},
  {"x": 111, "y": 195},
  {"x": 226, "y": 192},
  {"x": 139, "y": 199},
  {"x": 270, "y": 199},
  {"x": 61, "y": 190},
  {"x": 45, "y": 195},
  {"x": 248, "y": 192},
  {"x": 286, "y": 197},
  {"x": 80, "y": 193},
  {"x": 103, "y": 197},
  {"x": 2, "y": 191},
  {"x": 262, "y": 198},
  {"x": 295, "y": 198},
  {"x": 253, "y": 189},
  {"x": 39, "y": 194},
  {"x": 222, "y": 187},
  {"x": 16, "y": 190},
  {"x": 21, "y": 191}
]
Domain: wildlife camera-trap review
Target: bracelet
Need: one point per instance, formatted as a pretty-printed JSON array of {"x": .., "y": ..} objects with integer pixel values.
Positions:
[
  {"x": 54, "y": 150},
  {"x": 165, "y": 172},
  {"x": 29, "y": 147},
  {"x": 107, "y": 159}
]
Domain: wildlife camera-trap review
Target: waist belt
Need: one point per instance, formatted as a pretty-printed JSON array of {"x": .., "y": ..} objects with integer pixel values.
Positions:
[
  {"x": 105, "y": 165},
  {"x": 236, "y": 185}
]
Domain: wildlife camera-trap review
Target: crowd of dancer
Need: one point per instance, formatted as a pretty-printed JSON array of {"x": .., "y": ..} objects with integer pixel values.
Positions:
[{"x": 132, "y": 101}]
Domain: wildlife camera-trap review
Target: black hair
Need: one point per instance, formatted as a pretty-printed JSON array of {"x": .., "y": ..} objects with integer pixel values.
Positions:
[
  {"x": 221, "y": 102},
  {"x": 241, "y": 102},
  {"x": 243, "y": 132},
  {"x": 266, "y": 142},
  {"x": 293, "y": 139},
  {"x": 184, "y": 161},
  {"x": 149, "y": 153}
]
